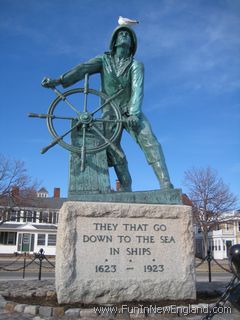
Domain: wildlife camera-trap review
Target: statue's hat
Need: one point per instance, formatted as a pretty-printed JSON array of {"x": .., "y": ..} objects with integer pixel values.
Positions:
[{"x": 132, "y": 34}]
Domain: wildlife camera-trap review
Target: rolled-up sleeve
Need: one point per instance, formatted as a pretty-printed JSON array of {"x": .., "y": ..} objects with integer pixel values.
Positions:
[
  {"x": 137, "y": 83},
  {"x": 76, "y": 74}
]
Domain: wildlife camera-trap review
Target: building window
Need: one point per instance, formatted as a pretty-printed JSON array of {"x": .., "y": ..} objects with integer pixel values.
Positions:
[
  {"x": 24, "y": 216},
  {"x": 18, "y": 216},
  {"x": 13, "y": 216},
  {"x": 212, "y": 245},
  {"x": 238, "y": 226},
  {"x": 41, "y": 239},
  {"x": 54, "y": 218},
  {"x": 50, "y": 217},
  {"x": 57, "y": 215},
  {"x": 52, "y": 239},
  {"x": 32, "y": 242},
  {"x": 19, "y": 241},
  {"x": 45, "y": 217},
  {"x": 224, "y": 243},
  {"x": 8, "y": 238},
  {"x": 29, "y": 216}
]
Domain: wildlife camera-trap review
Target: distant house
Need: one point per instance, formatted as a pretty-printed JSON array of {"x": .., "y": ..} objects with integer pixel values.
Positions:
[
  {"x": 42, "y": 193},
  {"x": 31, "y": 226},
  {"x": 226, "y": 234}
]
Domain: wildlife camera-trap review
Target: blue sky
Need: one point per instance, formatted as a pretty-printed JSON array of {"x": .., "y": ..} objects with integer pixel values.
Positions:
[{"x": 190, "y": 50}]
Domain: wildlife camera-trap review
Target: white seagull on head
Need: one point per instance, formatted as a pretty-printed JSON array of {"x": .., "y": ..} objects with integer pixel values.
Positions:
[{"x": 126, "y": 22}]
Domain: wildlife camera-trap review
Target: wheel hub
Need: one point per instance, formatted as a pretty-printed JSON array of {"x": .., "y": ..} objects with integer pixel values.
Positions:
[{"x": 85, "y": 118}]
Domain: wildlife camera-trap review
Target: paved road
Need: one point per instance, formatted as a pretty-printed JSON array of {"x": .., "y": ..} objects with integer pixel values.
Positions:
[
  {"x": 33, "y": 275},
  {"x": 216, "y": 276},
  {"x": 29, "y": 275}
]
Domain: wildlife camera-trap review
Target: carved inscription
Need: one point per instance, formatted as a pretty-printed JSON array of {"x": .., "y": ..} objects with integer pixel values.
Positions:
[{"x": 126, "y": 247}]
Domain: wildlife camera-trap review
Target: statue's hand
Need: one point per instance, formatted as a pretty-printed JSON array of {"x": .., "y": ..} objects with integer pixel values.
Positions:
[
  {"x": 49, "y": 83},
  {"x": 133, "y": 121}
]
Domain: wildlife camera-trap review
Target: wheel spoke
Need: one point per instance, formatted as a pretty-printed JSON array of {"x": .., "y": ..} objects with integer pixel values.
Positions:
[
  {"x": 108, "y": 120},
  {"x": 54, "y": 142},
  {"x": 107, "y": 101},
  {"x": 112, "y": 145},
  {"x": 44, "y": 116},
  {"x": 58, "y": 93},
  {"x": 85, "y": 92},
  {"x": 83, "y": 149}
]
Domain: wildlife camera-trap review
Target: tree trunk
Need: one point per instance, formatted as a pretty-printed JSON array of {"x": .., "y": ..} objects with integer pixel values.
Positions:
[{"x": 205, "y": 243}]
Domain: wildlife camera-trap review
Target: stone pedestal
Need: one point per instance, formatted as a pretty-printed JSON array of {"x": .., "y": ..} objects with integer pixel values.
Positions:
[{"x": 119, "y": 252}]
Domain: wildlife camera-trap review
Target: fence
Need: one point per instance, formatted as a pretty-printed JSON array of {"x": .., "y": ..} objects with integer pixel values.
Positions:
[
  {"x": 232, "y": 291},
  {"x": 23, "y": 261},
  {"x": 209, "y": 258},
  {"x": 42, "y": 262}
]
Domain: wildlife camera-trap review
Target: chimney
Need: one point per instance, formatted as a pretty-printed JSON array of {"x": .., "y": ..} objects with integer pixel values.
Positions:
[
  {"x": 56, "y": 193},
  {"x": 15, "y": 191},
  {"x": 118, "y": 186}
]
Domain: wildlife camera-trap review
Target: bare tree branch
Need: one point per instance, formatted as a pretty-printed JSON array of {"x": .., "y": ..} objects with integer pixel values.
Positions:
[
  {"x": 210, "y": 196},
  {"x": 16, "y": 186}
]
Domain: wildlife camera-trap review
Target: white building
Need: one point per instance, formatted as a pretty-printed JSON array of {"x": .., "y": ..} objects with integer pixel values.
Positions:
[
  {"x": 227, "y": 233},
  {"x": 30, "y": 228}
]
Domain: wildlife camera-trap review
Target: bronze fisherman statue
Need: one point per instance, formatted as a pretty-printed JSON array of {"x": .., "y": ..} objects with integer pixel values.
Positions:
[{"x": 118, "y": 69}]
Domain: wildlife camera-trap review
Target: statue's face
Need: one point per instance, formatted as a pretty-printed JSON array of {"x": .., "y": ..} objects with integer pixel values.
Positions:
[{"x": 123, "y": 38}]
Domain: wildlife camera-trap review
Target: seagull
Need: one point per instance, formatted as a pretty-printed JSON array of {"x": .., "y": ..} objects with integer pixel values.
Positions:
[{"x": 126, "y": 22}]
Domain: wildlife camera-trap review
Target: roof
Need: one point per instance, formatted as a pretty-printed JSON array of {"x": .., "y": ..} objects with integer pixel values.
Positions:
[
  {"x": 26, "y": 226},
  {"x": 35, "y": 202},
  {"x": 45, "y": 227},
  {"x": 42, "y": 190},
  {"x": 51, "y": 203},
  {"x": 11, "y": 225}
]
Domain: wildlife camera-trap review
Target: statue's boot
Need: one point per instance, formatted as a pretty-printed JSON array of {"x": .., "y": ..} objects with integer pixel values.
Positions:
[
  {"x": 124, "y": 177},
  {"x": 160, "y": 170}
]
